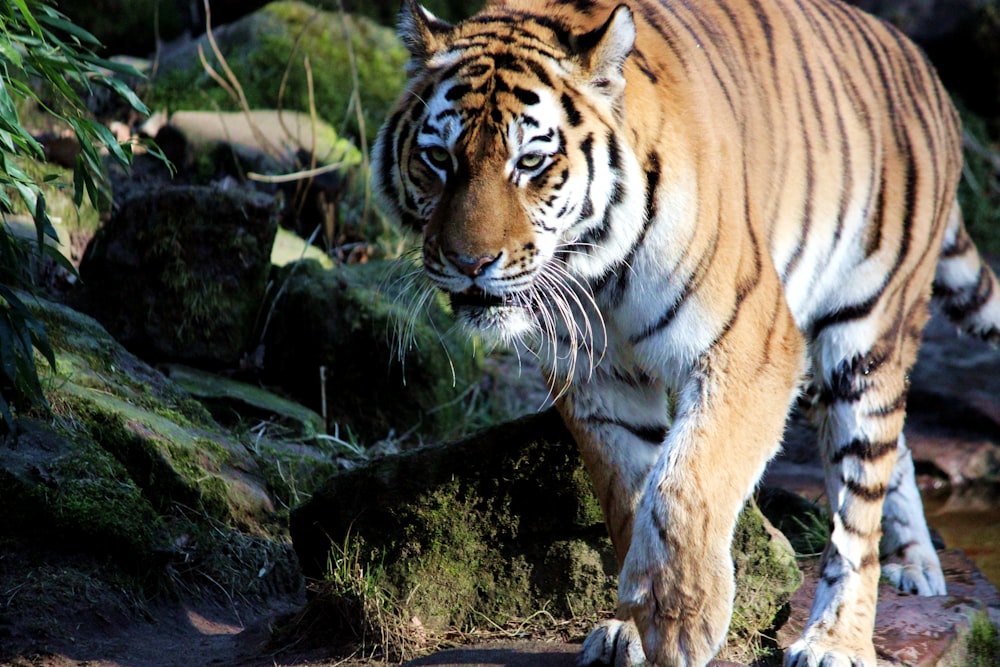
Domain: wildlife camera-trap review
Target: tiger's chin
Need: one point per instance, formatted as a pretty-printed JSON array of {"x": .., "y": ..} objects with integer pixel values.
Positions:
[{"x": 499, "y": 320}]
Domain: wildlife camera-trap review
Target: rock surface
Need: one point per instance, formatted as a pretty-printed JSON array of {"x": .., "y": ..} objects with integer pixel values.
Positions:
[
  {"x": 267, "y": 50},
  {"x": 501, "y": 525},
  {"x": 333, "y": 341},
  {"x": 180, "y": 273},
  {"x": 910, "y": 631}
]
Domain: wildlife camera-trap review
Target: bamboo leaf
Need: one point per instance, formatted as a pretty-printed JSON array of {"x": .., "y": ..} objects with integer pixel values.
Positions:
[{"x": 28, "y": 17}]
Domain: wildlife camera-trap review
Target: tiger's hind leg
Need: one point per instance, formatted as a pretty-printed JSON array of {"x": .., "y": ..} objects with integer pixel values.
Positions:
[
  {"x": 905, "y": 536},
  {"x": 859, "y": 411}
]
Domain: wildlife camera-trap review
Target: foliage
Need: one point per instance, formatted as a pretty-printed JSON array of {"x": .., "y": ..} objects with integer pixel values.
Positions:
[
  {"x": 46, "y": 60},
  {"x": 979, "y": 189},
  {"x": 983, "y": 642}
]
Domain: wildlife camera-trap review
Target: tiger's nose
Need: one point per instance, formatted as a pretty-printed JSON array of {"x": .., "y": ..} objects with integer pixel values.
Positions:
[{"x": 471, "y": 266}]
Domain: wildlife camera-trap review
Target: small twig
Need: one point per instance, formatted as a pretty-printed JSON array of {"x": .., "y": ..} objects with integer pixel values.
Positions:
[
  {"x": 322, "y": 390},
  {"x": 358, "y": 109},
  {"x": 296, "y": 175},
  {"x": 231, "y": 83}
]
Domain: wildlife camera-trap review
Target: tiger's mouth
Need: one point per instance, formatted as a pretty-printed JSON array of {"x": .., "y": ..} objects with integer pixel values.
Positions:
[
  {"x": 477, "y": 298},
  {"x": 502, "y": 319}
]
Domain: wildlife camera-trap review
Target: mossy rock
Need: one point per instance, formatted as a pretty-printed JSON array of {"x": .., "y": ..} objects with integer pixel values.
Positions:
[
  {"x": 56, "y": 490},
  {"x": 180, "y": 273},
  {"x": 129, "y": 466},
  {"x": 332, "y": 206},
  {"x": 475, "y": 531},
  {"x": 331, "y": 337},
  {"x": 263, "y": 47},
  {"x": 501, "y": 525}
]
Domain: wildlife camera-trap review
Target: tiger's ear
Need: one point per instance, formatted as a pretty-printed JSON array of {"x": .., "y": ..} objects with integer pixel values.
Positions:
[
  {"x": 603, "y": 52},
  {"x": 420, "y": 30}
]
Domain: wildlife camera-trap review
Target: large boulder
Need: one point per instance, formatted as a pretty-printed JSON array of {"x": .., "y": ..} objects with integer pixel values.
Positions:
[
  {"x": 180, "y": 273},
  {"x": 129, "y": 467},
  {"x": 266, "y": 51},
  {"x": 500, "y": 525},
  {"x": 342, "y": 341},
  {"x": 320, "y": 175}
]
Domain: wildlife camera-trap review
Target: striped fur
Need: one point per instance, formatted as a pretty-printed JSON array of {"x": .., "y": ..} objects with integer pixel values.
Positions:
[{"x": 688, "y": 210}]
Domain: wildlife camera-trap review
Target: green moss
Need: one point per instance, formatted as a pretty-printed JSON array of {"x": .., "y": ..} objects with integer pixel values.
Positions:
[
  {"x": 181, "y": 273},
  {"x": 88, "y": 359},
  {"x": 575, "y": 576},
  {"x": 450, "y": 573},
  {"x": 291, "y": 473},
  {"x": 259, "y": 49},
  {"x": 59, "y": 486},
  {"x": 982, "y": 644},
  {"x": 767, "y": 575},
  {"x": 97, "y": 500}
]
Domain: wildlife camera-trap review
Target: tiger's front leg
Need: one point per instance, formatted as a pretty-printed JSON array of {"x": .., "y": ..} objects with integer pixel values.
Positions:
[
  {"x": 677, "y": 512},
  {"x": 677, "y": 582},
  {"x": 619, "y": 422}
]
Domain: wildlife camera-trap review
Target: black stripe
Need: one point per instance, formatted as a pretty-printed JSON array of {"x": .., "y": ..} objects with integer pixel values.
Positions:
[
  {"x": 614, "y": 153},
  {"x": 960, "y": 303},
  {"x": 654, "y": 434},
  {"x": 691, "y": 285},
  {"x": 961, "y": 246},
  {"x": 890, "y": 407},
  {"x": 847, "y": 381},
  {"x": 870, "y": 560},
  {"x": 539, "y": 71},
  {"x": 849, "y": 527},
  {"x": 622, "y": 284},
  {"x": 572, "y": 113},
  {"x": 867, "y": 493},
  {"x": 457, "y": 92},
  {"x": 864, "y": 449},
  {"x": 525, "y": 96},
  {"x": 846, "y": 314},
  {"x": 654, "y": 20},
  {"x": 587, "y": 148}
]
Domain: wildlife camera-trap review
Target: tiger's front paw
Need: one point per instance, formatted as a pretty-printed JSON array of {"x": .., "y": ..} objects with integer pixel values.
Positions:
[
  {"x": 680, "y": 602},
  {"x": 805, "y": 653},
  {"x": 614, "y": 643},
  {"x": 920, "y": 572}
]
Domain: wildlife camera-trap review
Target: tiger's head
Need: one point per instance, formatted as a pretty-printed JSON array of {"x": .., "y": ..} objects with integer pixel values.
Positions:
[{"x": 503, "y": 152}]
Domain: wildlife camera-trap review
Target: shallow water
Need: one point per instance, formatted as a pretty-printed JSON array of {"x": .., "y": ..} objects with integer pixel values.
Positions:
[{"x": 973, "y": 527}]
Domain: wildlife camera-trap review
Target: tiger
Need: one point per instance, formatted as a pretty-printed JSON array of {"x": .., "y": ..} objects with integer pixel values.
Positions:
[{"x": 697, "y": 214}]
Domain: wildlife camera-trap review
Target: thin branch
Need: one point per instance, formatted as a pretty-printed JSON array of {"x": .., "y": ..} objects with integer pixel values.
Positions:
[{"x": 297, "y": 175}]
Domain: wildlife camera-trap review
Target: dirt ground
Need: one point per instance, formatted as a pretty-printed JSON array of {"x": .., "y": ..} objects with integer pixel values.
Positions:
[{"x": 46, "y": 621}]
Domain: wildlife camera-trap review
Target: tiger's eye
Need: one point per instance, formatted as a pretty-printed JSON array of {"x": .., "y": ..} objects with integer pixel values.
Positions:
[
  {"x": 438, "y": 156},
  {"x": 529, "y": 161}
]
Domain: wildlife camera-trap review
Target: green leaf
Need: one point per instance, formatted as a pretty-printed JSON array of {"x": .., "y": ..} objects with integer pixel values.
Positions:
[
  {"x": 8, "y": 52},
  {"x": 52, "y": 252},
  {"x": 8, "y": 359},
  {"x": 28, "y": 17},
  {"x": 127, "y": 94},
  {"x": 43, "y": 225},
  {"x": 6, "y": 419},
  {"x": 45, "y": 60},
  {"x": 54, "y": 20}
]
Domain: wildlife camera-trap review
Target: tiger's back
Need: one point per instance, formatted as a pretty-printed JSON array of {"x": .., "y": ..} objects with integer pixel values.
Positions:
[
  {"x": 827, "y": 116},
  {"x": 709, "y": 201}
]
